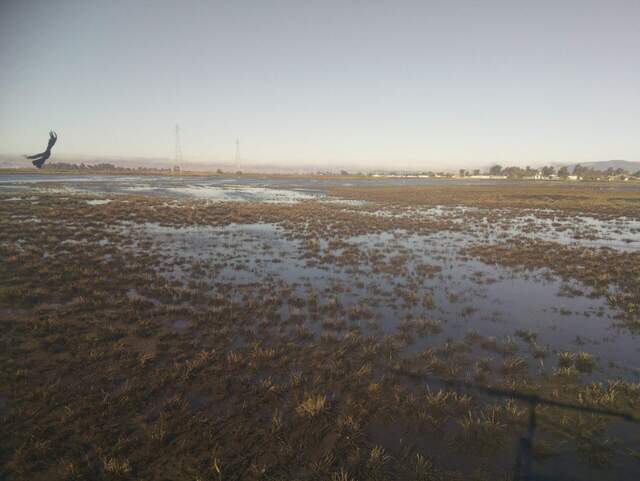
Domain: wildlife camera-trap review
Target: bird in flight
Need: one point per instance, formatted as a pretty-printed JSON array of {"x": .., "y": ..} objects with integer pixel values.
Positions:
[{"x": 38, "y": 159}]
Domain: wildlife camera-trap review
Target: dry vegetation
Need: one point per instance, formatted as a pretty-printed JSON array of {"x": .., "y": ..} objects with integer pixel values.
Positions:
[{"x": 600, "y": 199}]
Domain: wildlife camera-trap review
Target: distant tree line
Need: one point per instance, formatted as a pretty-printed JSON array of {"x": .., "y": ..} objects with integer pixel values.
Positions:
[
  {"x": 581, "y": 172},
  {"x": 512, "y": 172},
  {"x": 101, "y": 167},
  {"x": 592, "y": 174}
]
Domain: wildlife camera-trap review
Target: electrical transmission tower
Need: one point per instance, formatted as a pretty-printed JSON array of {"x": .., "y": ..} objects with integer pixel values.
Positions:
[
  {"x": 178, "y": 152},
  {"x": 238, "y": 154}
]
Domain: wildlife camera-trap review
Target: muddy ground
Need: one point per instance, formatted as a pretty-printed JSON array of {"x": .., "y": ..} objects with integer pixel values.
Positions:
[{"x": 322, "y": 335}]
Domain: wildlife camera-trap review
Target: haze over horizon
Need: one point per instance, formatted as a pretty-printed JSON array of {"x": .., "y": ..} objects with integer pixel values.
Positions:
[{"x": 378, "y": 85}]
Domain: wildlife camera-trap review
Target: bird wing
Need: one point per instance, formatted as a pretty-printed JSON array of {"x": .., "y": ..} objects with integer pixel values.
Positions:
[{"x": 53, "y": 137}]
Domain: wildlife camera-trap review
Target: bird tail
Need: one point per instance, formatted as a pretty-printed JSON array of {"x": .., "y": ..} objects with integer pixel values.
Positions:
[{"x": 38, "y": 163}]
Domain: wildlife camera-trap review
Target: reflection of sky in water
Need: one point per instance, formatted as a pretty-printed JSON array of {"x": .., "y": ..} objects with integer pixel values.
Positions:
[
  {"x": 215, "y": 189},
  {"x": 491, "y": 225},
  {"x": 620, "y": 234},
  {"x": 237, "y": 193},
  {"x": 468, "y": 295}
]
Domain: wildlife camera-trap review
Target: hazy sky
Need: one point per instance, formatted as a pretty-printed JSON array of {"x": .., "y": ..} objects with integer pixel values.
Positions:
[{"x": 381, "y": 84}]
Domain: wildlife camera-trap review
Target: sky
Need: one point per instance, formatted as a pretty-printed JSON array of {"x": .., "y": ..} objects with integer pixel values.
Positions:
[{"x": 372, "y": 84}]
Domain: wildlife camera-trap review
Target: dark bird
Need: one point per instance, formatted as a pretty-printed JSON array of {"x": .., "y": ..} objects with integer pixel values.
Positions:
[{"x": 38, "y": 159}]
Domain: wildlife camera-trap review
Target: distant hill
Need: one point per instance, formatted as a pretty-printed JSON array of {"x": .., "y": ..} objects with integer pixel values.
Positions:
[{"x": 605, "y": 164}]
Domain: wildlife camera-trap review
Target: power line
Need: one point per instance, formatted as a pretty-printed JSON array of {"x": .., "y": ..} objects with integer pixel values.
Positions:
[
  {"x": 178, "y": 149},
  {"x": 237, "y": 154}
]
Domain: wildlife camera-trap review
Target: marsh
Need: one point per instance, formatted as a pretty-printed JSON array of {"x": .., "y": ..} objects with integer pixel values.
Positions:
[{"x": 258, "y": 328}]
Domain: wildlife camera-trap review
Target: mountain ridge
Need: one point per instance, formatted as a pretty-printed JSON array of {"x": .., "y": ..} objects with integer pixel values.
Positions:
[{"x": 603, "y": 165}]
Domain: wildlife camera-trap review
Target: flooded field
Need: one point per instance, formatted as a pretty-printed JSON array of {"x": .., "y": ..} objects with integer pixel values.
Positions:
[{"x": 234, "y": 328}]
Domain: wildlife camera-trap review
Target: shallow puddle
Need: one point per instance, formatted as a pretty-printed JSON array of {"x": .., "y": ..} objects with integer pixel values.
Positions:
[{"x": 377, "y": 282}]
